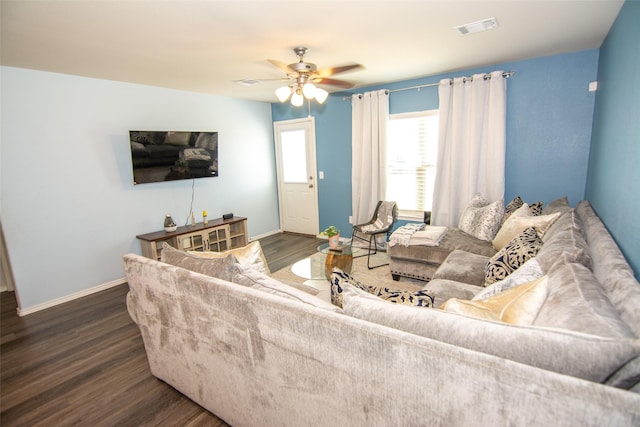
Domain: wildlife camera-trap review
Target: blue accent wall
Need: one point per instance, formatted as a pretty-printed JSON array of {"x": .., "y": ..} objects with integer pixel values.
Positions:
[
  {"x": 613, "y": 182},
  {"x": 549, "y": 122}
]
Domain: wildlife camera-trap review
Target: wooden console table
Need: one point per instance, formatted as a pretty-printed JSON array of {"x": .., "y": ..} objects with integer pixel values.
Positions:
[{"x": 217, "y": 235}]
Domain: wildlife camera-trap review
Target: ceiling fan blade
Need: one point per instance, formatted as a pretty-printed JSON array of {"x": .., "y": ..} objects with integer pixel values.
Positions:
[
  {"x": 333, "y": 82},
  {"x": 281, "y": 66},
  {"x": 326, "y": 72}
]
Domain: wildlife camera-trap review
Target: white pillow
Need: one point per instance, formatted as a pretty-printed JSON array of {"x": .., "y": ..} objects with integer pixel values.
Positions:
[{"x": 481, "y": 220}]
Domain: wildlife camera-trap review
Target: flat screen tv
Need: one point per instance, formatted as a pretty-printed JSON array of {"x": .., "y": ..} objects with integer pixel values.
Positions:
[{"x": 169, "y": 155}]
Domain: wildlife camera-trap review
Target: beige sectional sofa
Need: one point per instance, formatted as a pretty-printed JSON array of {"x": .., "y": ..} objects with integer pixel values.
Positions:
[{"x": 257, "y": 352}]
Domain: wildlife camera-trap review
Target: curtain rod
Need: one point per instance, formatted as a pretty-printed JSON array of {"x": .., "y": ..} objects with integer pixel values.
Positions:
[{"x": 506, "y": 75}]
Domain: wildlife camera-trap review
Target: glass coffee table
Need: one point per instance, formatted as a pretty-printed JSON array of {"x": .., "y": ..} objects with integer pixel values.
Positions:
[
  {"x": 320, "y": 265},
  {"x": 317, "y": 268}
]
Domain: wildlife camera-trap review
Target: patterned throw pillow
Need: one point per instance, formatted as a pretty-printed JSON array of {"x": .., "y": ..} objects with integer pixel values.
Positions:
[
  {"x": 513, "y": 205},
  {"x": 515, "y": 253},
  {"x": 481, "y": 220},
  {"x": 536, "y": 208},
  {"x": 399, "y": 296}
]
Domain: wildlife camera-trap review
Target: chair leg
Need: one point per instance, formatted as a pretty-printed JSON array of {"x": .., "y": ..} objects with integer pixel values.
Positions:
[{"x": 375, "y": 251}]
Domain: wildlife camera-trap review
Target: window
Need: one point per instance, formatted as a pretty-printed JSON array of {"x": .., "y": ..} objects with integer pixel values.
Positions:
[{"x": 412, "y": 153}]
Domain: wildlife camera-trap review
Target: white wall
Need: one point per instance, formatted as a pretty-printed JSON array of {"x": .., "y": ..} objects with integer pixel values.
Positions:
[{"x": 68, "y": 205}]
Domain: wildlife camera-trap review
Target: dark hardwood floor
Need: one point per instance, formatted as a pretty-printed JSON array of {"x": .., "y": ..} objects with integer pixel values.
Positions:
[{"x": 83, "y": 362}]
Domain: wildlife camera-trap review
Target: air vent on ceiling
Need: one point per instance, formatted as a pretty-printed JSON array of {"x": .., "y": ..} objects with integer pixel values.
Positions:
[{"x": 478, "y": 26}]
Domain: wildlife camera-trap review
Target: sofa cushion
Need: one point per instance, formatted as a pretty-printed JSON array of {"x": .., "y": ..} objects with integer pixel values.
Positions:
[
  {"x": 340, "y": 280},
  {"x": 247, "y": 276},
  {"x": 443, "y": 289},
  {"x": 564, "y": 242},
  {"x": 578, "y": 302},
  {"x": 522, "y": 248},
  {"x": 222, "y": 268},
  {"x": 580, "y": 355},
  {"x": 519, "y": 305},
  {"x": 465, "y": 267},
  {"x": 528, "y": 272},
  {"x": 250, "y": 255},
  {"x": 481, "y": 219},
  {"x": 520, "y": 220}
]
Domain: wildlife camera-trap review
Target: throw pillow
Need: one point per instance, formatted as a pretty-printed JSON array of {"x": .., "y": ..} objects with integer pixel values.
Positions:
[
  {"x": 508, "y": 259},
  {"x": 513, "y": 205},
  {"x": 249, "y": 277},
  {"x": 519, "y": 305},
  {"x": 516, "y": 223},
  {"x": 250, "y": 255},
  {"x": 340, "y": 280},
  {"x": 483, "y": 221},
  {"x": 559, "y": 205},
  {"x": 536, "y": 208},
  {"x": 221, "y": 268},
  {"x": 528, "y": 272}
]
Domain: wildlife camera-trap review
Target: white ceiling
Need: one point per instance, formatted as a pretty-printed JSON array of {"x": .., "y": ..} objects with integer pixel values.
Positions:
[{"x": 203, "y": 46}]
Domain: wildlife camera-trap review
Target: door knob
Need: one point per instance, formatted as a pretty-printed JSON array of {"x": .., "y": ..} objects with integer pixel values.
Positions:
[{"x": 310, "y": 185}]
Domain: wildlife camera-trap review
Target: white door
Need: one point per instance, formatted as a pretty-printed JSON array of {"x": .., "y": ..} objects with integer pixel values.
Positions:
[{"x": 296, "y": 163}]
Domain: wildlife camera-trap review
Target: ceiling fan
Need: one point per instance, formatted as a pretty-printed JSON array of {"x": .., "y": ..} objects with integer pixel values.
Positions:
[{"x": 305, "y": 76}]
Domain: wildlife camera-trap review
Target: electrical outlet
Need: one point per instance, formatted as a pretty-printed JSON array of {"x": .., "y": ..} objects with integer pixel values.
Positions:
[
  {"x": 350, "y": 219},
  {"x": 321, "y": 174}
]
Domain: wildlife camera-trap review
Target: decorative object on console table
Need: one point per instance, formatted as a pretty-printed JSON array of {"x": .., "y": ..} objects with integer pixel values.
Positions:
[
  {"x": 333, "y": 234},
  {"x": 169, "y": 225},
  {"x": 227, "y": 216},
  {"x": 217, "y": 235},
  {"x": 204, "y": 217}
]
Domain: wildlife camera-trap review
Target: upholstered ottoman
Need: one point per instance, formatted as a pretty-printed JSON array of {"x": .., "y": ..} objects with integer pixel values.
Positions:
[{"x": 421, "y": 262}]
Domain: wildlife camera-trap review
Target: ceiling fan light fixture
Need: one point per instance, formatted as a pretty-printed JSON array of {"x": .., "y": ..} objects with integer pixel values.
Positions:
[
  {"x": 321, "y": 95},
  {"x": 297, "y": 99},
  {"x": 283, "y": 93},
  {"x": 309, "y": 90}
]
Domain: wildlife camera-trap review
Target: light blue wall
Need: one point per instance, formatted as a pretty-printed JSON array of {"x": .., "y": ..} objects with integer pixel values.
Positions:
[
  {"x": 613, "y": 184},
  {"x": 68, "y": 206},
  {"x": 549, "y": 120}
]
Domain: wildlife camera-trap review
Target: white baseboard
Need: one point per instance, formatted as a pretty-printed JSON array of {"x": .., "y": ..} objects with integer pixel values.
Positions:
[
  {"x": 62, "y": 300},
  {"x": 262, "y": 236}
]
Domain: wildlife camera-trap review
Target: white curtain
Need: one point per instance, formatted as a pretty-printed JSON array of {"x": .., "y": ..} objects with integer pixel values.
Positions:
[
  {"x": 471, "y": 145},
  {"x": 370, "y": 112}
]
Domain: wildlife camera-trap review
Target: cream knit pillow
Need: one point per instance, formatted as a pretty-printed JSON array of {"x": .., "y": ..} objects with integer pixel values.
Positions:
[{"x": 520, "y": 220}]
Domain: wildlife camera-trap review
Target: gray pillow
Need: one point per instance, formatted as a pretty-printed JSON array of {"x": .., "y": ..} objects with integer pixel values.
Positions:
[
  {"x": 577, "y": 301},
  {"x": 252, "y": 278},
  {"x": 580, "y": 355},
  {"x": 221, "y": 268}
]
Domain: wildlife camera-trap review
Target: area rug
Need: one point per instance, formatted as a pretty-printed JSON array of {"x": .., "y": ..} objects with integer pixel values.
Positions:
[{"x": 380, "y": 276}]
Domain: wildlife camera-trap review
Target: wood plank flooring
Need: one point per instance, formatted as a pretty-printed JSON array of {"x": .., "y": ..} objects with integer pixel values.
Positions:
[{"x": 83, "y": 362}]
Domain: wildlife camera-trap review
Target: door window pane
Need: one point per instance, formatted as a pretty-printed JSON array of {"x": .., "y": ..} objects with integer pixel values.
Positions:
[{"x": 294, "y": 156}]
